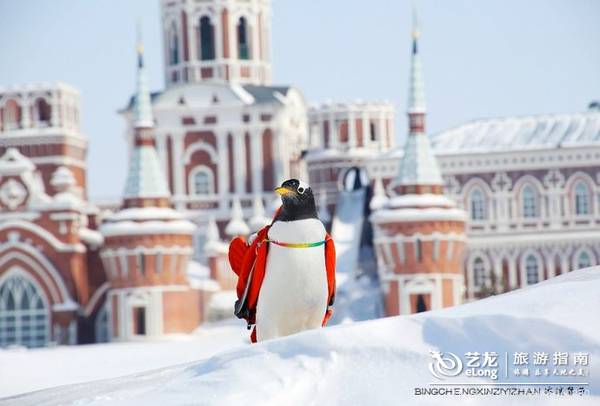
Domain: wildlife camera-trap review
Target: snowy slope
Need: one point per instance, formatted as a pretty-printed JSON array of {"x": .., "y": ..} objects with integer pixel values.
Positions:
[
  {"x": 346, "y": 228},
  {"x": 377, "y": 362}
]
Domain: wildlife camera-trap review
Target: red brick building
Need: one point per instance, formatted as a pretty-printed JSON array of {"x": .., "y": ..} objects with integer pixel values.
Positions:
[{"x": 51, "y": 278}]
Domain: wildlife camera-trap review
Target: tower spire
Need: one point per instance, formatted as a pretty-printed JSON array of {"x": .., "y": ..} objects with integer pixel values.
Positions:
[
  {"x": 146, "y": 183},
  {"x": 142, "y": 107},
  {"x": 419, "y": 170}
]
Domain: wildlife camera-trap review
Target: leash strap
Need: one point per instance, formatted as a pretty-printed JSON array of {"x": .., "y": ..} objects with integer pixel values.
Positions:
[{"x": 297, "y": 245}]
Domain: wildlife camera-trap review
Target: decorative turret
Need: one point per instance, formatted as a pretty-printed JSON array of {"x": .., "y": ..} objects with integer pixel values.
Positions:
[
  {"x": 419, "y": 233},
  {"x": 258, "y": 219},
  {"x": 419, "y": 170},
  {"x": 236, "y": 225},
  {"x": 146, "y": 183},
  {"x": 148, "y": 244}
]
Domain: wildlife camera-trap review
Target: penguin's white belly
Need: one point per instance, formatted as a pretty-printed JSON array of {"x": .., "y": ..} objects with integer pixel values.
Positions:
[{"x": 293, "y": 295}]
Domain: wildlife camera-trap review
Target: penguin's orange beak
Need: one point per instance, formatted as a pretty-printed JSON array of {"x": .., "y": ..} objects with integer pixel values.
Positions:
[{"x": 281, "y": 191}]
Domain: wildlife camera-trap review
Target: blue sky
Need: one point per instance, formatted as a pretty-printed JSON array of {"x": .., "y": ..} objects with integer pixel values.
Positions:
[{"x": 482, "y": 58}]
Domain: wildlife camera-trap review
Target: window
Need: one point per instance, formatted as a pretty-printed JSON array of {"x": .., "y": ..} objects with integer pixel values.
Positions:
[
  {"x": 12, "y": 115},
  {"x": 418, "y": 250},
  {"x": 141, "y": 263},
  {"x": 173, "y": 45},
  {"x": 477, "y": 204},
  {"x": 242, "y": 39},
  {"x": 529, "y": 201},
  {"x": 582, "y": 199},
  {"x": 421, "y": 305},
  {"x": 207, "y": 39},
  {"x": 584, "y": 260},
  {"x": 139, "y": 320},
  {"x": 532, "y": 268},
  {"x": 479, "y": 273},
  {"x": 372, "y": 132},
  {"x": 202, "y": 181},
  {"x": 24, "y": 316},
  {"x": 42, "y": 112},
  {"x": 102, "y": 325}
]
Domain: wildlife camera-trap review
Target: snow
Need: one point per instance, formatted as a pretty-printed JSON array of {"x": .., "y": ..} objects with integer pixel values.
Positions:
[
  {"x": 146, "y": 213},
  {"x": 347, "y": 227},
  {"x": 366, "y": 363},
  {"x": 420, "y": 200},
  {"x": 424, "y": 214},
  {"x": 520, "y": 133},
  {"x": 147, "y": 227}
]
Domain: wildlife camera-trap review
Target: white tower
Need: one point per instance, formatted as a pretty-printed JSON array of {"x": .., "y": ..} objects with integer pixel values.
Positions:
[{"x": 217, "y": 40}]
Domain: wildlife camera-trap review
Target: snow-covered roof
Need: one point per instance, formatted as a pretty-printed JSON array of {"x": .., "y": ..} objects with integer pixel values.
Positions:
[
  {"x": 146, "y": 213},
  {"x": 146, "y": 227},
  {"x": 520, "y": 133},
  {"x": 207, "y": 94},
  {"x": 418, "y": 214},
  {"x": 420, "y": 200},
  {"x": 145, "y": 177},
  {"x": 419, "y": 166}
]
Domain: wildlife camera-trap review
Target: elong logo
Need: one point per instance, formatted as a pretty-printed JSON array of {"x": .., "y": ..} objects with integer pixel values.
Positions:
[{"x": 444, "y": 364}]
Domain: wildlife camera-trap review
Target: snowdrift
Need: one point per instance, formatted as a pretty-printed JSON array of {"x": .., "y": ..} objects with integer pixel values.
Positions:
[{"x": 377, "y": 362}]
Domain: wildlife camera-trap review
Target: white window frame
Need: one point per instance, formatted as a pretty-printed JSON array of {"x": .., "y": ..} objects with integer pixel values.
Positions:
[
  {"x": 479, "y": 213},
  {"x": 38, "y": 319},
  {"x": 582, "y": 204},
  {"x": 192, "y": 180},
  {"x": 529, "y": 202}
]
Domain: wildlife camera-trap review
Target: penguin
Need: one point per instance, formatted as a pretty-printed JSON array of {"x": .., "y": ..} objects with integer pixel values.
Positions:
[
  {"x": 293, "y": 295},
  {"x": 287, "y": 272}
]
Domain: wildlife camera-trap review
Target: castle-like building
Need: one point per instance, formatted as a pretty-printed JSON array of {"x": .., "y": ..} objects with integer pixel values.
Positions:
[
  {"x": 486, "y": 207},
  {"x": 530, "y": 187}
]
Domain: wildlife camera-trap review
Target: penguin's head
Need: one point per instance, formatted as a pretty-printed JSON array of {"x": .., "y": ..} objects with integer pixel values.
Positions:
[{"x": 298, "y": 201}]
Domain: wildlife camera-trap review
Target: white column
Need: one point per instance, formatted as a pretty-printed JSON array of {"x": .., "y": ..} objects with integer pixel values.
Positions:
[
  {"x": 497, "y": 267},
  {"x": 239, "y": 153},
  {"x": 218, "y": 29},
  {"x": 178, "y": 169},
  {"x": 565, "y": 265},
  {"x": 223, "y": 168},
  {"x": 550, "y": 265},
  {"x": 381, "y": 131},
  {"x": 512, "y": 272},
  {"x": 161, "y": 149},
  {"x": 255, "y": 49},
  {"x": 192, "y": 41},
  {"x": 25, "y": 104},
  {"x": 366, "y": 130},
  {"x": 333, "y": 136},
  {"x": 256, "y": 142},
  {"x": 54, "y": 106}
]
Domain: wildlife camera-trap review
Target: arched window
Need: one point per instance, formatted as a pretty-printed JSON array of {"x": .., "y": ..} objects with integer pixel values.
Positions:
[
  {"x": 584, "y": 260},
  {"x": 479, "y": 273},
  {"x": 532, "y": 270},
  {"x": 477, "y": 204},
  {"x": 23, "y": 313},
  {"x": 582, "y": 199},
  {"x": 12, "y": 115},
  {"x": 201, "y": 181},
  {"x": 207, "y": 39},
  {"x": 42, "y": 112},
  {"x": 529, "y": 202},
  {"x": 173, "y": 45},
  {"x": 242, "y": 39}
]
